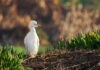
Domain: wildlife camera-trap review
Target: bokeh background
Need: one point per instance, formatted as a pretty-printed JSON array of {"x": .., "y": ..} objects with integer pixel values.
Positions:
[{"x": 58, "y": 19}]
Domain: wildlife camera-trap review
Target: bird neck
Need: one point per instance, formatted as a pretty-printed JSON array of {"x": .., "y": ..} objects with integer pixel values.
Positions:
[{"x": 32, "y": 29}]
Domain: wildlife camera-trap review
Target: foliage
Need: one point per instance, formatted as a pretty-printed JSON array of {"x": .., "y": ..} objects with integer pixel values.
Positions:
[
  {"x": 90, "y": 40},
  {"x": 60, "y": 44},
  {"x": 10, "y": 59},
  {"x": 86, "y": 3},
  {"x": 12, "y": 56}
]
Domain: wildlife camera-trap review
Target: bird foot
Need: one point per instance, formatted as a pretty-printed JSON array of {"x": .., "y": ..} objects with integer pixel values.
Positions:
[{"x": 26, "y": 60}]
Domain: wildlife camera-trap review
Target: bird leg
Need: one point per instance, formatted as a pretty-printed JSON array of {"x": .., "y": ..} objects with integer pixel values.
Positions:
[{"x": 26, "y": 59}]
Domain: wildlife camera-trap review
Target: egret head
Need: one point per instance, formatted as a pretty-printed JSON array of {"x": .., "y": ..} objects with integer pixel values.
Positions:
[{"x": 33, "y": 24}]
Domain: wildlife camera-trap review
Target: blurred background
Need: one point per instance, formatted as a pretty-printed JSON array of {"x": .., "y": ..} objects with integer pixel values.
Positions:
[{"x": 58, "y": 19}]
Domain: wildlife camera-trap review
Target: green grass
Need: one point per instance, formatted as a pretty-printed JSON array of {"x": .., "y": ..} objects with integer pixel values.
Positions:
[
  {"x": 11, "y": 57},
  {"x": 19, "y": 48},
  {"x": 90, "y": 40}
]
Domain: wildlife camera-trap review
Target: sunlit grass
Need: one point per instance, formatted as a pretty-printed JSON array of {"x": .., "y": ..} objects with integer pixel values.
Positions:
[{"x": 90, "y": 40}]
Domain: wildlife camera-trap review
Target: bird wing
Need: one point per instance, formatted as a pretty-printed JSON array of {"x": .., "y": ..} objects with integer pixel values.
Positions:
[
  {"x": 31, "y": 42},
  {"x": 37, "y": 41}
]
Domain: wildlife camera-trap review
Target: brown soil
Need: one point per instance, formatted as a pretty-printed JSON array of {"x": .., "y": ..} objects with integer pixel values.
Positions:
[{"x": 66, "y": 60}]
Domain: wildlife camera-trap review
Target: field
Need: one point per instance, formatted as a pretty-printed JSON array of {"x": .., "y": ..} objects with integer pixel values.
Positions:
[
  {"x": 81, "y": 52},
  {"x": 66, "y": 60},
  {"x": 55, "y": 59},
  {"x": 68, "y": 32}
]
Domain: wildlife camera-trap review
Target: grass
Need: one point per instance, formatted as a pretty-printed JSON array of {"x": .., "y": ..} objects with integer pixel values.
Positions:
[
  {"x": 90, "y": 40},
  {"x": 11, "y": 57},
  {"x": 20, "y": 49}
]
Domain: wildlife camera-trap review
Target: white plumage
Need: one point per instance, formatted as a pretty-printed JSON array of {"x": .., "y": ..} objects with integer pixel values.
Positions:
[{"x": 31, "y": 40}]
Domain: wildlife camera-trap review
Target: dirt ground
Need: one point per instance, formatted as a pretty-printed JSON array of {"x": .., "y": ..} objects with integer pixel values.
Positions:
[{"x": 66, "y": 60}]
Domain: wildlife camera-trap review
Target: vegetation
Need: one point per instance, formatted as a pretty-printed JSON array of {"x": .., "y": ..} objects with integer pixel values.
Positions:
[
  {"x": 11, "y": 57},
  {"x": 65, "y": 23},
  {"x": 90, "y": 40},
  {"x": 10, "y": 60},
  {"x": 56, "y": 18},
  {"x": 86, "y": 3}
]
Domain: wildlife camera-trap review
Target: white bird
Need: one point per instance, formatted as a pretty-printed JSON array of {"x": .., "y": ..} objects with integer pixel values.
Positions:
[{"x": 31, "y": 40}]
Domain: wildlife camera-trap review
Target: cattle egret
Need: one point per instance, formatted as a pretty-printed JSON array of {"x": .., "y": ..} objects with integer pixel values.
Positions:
[{"x": 31, "y": 40}]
